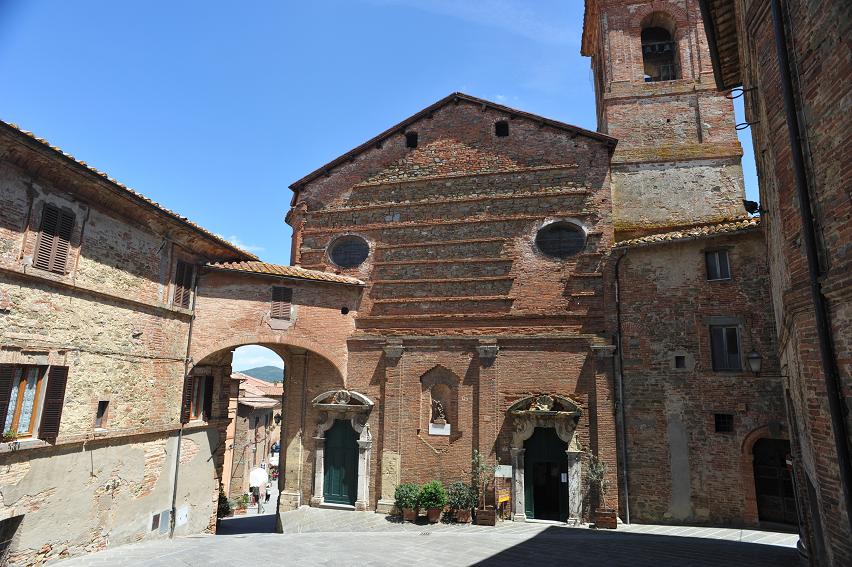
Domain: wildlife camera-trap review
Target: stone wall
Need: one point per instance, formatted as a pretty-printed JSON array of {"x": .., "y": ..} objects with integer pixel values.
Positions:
[{"x": 679, "y": 469}]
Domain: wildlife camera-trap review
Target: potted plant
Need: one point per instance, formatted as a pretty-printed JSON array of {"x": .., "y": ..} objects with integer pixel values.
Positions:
[
  {"x": 433, "y": 497},
  {"x": 407, "y": 497},
  {"x": 461, "y": 498},
  {"x": 9, "y": 436},
  {"x": 482, "y": 476},
  {"x": 224, "y": 506},
  {"x": 596, "y": 470},
  {"x": 240, "y": 504}
]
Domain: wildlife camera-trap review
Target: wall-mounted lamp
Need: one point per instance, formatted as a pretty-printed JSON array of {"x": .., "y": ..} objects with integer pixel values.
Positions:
[
  {"x": 754, "y": 361},
  {"x": 277, "y": 418}
]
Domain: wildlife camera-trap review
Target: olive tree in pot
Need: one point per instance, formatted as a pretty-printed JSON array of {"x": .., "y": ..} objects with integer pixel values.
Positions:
[
  {"x": 433, "y": 497},
  {"x": 481, "y": 481},
  {"x": 597, "y": 483},
  {"x": 406, "y": 497},
  {"x": 461, "y": 498}
]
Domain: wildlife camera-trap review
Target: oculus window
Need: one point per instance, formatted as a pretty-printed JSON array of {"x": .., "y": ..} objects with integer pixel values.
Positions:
[
  {"x": 349, "y": 251},
  {"x": 561, "y": 239}
]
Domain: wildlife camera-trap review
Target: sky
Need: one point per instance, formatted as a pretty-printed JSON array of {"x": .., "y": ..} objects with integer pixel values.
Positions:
[{"x": 214, "y": 108}]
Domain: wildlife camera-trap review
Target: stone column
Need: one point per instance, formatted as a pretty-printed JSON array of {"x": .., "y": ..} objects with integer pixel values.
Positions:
[
  {"x": 319, "y": 471},
  {"x": 518, "y": 502},
  {"x": 362, "y": 501},
  {"x": 575, "y": 490},
  {"x": 391, "y": 458}
]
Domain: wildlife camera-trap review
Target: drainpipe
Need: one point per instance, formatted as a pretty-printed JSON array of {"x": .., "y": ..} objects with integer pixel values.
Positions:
[
  {"x": 619, "y": 388},
  {"x": 809, "y": 236},
  {"x": 180, "y": 431}
]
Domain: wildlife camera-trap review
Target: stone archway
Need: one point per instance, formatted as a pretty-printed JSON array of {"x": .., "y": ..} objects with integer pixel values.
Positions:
[
  {"x": 354, "y": 407},
  {"x": 747, "y": 476},
  {"x": 546, "y": 411}
]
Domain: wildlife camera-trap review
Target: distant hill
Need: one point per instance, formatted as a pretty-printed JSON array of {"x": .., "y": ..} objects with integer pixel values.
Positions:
[{"x": 268, "y": 373}]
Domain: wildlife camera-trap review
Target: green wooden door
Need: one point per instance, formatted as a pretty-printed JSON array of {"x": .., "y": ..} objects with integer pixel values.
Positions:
[
  {"x": 341, "y": 464},
  {"x": 545, "y": 476}
]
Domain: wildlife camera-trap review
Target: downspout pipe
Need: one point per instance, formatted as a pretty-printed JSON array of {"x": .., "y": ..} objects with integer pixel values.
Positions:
[
  {"x": 180, "y": 431},
  {"x": 619, "y": 387},
  {"x": 809, "y": 237}
]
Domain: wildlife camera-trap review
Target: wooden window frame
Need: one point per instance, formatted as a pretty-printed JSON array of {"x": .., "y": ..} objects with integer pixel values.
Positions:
[
  {"x": 19, "y": 401},
  {"x": 198, "y": 402},
  {"x": 282, "y": 303},
  {"x": 716, "y": 256},
  {"x": 53, "y": 247},
  {"x": 723, "y": 366},
  {"x": 183, "y": 283}
]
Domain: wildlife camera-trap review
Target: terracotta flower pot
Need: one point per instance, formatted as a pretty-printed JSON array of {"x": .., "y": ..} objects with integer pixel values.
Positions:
[
  {"x": 239, "y": 511},
  {"x": 433, "y": 515},
  {"x": 606, "y": 518},
  {"x": 409, "y": 515},
  {"x": 463, "y": 516}
]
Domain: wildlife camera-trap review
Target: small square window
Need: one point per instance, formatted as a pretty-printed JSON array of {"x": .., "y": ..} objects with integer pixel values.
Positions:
[
  {"x": 411, "y": 140},
  {"x": 680, "y": 361},
  {"x": 501, "y": 129},
  {"x": 718, "y": 266},
  {"x": 155, "y": 522},
  {"x": 724, "y": 422}
]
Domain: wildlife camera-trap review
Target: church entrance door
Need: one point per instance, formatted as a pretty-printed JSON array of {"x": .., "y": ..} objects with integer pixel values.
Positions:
[
  {"x": 546, "y": 476},
  {"x": 341, "y": 464},
  {"x": 773, "y": 482}
]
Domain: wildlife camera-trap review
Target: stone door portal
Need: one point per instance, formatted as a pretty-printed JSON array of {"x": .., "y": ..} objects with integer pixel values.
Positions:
[
  {"x": 546, "y": 476},
  {"x": 341, "y": 464}
]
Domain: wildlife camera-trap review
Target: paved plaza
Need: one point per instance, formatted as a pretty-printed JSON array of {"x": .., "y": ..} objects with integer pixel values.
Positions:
[{"x": 342, "y": 538}]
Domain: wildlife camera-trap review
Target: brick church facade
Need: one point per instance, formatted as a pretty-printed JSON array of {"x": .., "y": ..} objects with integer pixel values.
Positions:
[{"x": 475, "y": 278}]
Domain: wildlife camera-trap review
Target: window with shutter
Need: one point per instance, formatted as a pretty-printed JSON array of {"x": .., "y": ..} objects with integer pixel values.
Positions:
[
  {"x": 282, "y": 298},
  {"x": 208, "y": 398},
  {"x": 183, "y": 284},
  {"x": 725, "y": 348},
  {"x": 186, "y": 399},
  {"x": 54, "y": 399},
  {"x": 54, "y": 240},
  {"x": 718, "y": 267},
  {"x": 6, "y": 372}
]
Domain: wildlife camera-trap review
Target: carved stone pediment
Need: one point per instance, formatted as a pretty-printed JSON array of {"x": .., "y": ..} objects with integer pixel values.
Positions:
[
  {"x": 342, "y": 401},
  {"x": 546, "y": 405}
]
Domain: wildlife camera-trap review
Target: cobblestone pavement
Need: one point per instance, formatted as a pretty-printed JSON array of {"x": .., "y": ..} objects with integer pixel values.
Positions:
[{"x": 342, "y": 538}]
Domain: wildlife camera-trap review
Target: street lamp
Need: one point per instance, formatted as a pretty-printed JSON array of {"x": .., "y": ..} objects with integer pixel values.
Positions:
[
  {"x": 755, "y": 361},
  {"x": 277, "y": 419}
]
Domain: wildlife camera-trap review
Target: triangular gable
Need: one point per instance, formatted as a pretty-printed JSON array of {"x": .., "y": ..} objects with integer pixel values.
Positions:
[{"x": 426, "y": 112}]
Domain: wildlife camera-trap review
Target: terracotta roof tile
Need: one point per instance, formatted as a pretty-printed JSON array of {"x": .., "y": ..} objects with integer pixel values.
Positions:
[
  {"x": 285, "y": 271},
  {"x": 734, "y": 225},
  {"x": 132, "y": 192}
]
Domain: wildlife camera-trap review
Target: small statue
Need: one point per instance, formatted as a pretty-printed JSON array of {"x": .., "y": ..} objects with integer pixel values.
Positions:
[{"x": 438, "y": 415}]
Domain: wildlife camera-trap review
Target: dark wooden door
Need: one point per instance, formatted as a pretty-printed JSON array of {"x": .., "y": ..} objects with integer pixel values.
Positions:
[
  {"x": 773, "y": 482},
  {"x": 341, "y": 464},
  {"x": 545, "y": 476}
]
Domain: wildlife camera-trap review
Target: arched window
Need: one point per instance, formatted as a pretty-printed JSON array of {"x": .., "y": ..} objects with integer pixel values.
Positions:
[{"x": 659, "y": 54}]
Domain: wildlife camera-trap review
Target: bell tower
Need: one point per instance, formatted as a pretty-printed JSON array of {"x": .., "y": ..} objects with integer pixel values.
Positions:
[{"x": 677, "y": 162}]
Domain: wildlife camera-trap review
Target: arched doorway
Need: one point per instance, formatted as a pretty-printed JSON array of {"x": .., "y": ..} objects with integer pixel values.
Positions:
[
  {"x": 341, "y": 464},
  {"x": 773, "y": 481},
  {"x": 546, "y": 476}
]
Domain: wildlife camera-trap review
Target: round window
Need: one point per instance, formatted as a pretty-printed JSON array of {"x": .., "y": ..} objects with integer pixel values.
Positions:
[
  {"x": 349, "y": 251},
  {"x": 561, "y": 239}
]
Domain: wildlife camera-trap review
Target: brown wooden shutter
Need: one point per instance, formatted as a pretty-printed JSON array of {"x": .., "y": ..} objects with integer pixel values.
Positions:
[
  {"x": 282, "y": 298},
  {"x": 186, "y": 401},
  {"x": 183, "y": 283},
  {"x": 7, "y": 371},
  {"x": 208, "y": 398},
  {"x": 54, "y": 240},
  {"x": 54, "y": 399}
]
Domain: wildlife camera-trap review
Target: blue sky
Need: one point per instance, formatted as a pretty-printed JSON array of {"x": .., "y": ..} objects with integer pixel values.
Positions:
[{"x": 213, "y": 108}]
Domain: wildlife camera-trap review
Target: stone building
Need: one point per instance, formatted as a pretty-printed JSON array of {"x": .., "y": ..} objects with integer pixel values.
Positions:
[
  {"x": 691, "y": 277},
  {"x": 254, "y": 432},
  {"x": 791, "y": 62},
  {"x": 96, "y": 299}
]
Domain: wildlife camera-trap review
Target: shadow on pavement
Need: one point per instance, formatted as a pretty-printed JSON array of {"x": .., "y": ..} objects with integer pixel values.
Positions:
[
  {"x": 264, "y": 524},
  {"x": 557, "y": 546}
]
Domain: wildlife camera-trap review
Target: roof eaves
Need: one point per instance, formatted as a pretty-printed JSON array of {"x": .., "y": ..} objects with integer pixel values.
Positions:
[
  {"x": 351, "y": 154},
  {"x": 124, "y": 190},
  {"x": 321, "y": 277},
  {"x": 694, "y": 233}
]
